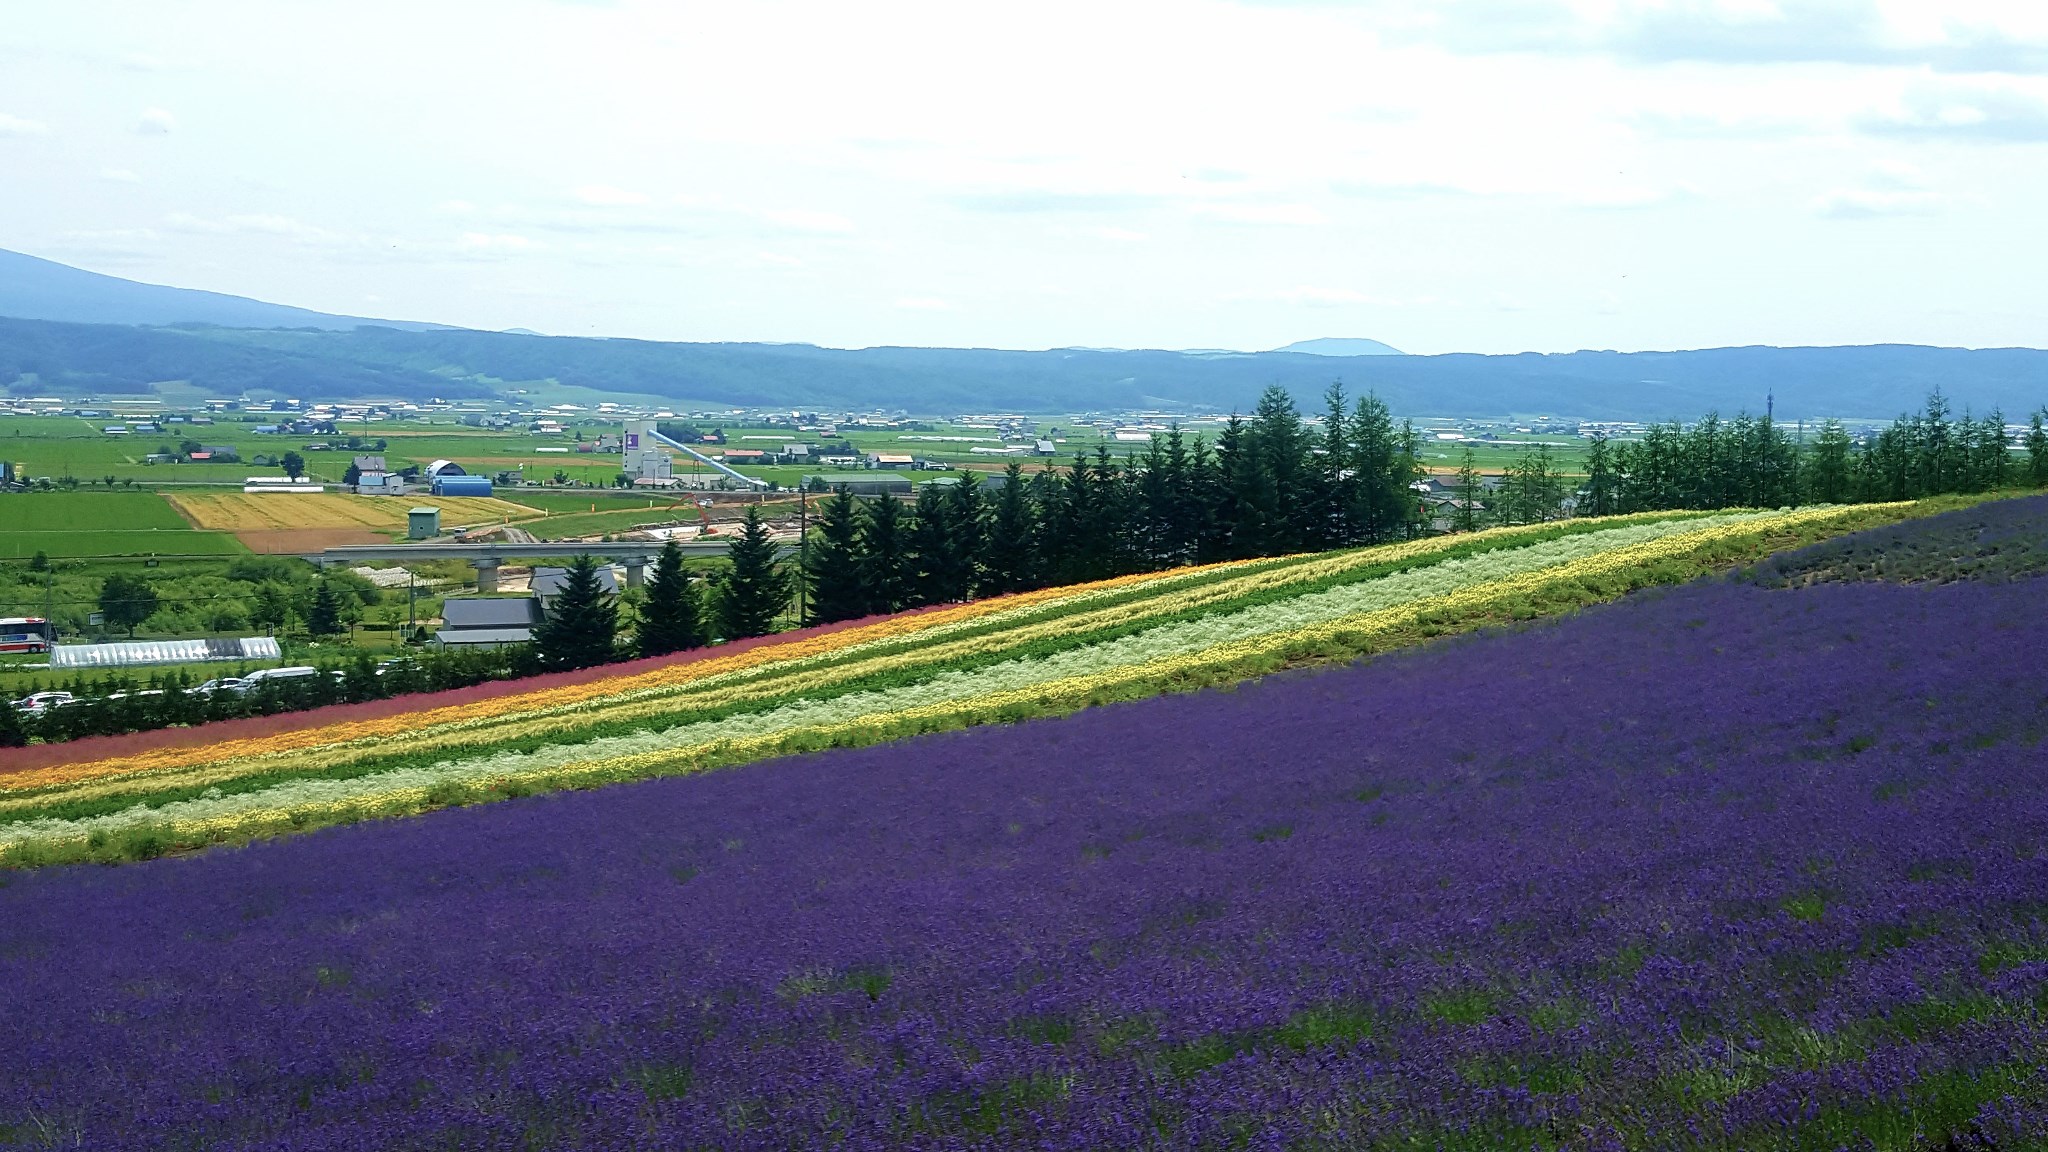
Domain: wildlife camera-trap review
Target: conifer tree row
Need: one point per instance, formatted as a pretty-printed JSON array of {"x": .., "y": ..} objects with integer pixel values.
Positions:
[{"x": 1269, "y": 486}]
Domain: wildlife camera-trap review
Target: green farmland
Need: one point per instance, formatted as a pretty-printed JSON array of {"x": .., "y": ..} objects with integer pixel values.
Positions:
[{"x": 87, "y": 524}]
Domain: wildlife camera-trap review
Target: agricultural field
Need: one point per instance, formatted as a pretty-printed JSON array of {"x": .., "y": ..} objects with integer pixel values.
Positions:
[
  {"x": 114, "y": 523},
  {"x": 1598, "y": 882},
  {"x": 268, "y": 512}
]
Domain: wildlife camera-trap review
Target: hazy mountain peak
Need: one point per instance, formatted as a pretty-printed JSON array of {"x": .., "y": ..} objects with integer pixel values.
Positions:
[
  {"x": 1341, "y": 346},
  {"x": 37, "y": 289}
]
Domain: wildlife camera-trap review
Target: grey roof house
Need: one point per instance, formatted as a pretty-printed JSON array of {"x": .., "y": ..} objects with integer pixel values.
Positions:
[{"x": 487, "y": 621}]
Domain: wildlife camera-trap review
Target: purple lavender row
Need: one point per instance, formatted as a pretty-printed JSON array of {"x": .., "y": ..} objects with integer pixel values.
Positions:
[{"x": 1720, "y": 867}]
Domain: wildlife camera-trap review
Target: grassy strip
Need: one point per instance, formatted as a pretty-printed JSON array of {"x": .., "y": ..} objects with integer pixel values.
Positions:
[{"x": 1559, "y": 594}]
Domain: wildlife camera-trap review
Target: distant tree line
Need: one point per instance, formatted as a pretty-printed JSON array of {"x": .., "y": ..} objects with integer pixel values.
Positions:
[{"x": 1754, "y": 462}]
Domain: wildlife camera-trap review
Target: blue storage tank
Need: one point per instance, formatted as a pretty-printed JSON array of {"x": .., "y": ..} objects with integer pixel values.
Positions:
[{"x": 462, "y": 486}]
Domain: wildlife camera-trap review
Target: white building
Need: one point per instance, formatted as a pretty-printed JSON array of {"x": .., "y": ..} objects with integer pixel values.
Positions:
[{"x": 643, "y": 457}]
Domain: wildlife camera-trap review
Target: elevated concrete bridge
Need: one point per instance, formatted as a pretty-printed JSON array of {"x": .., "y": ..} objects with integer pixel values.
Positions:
[{"x": 486, "y": 557}]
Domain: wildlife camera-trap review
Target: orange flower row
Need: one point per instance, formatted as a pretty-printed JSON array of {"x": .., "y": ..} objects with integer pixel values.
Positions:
[{"x": 391, "y": 727}]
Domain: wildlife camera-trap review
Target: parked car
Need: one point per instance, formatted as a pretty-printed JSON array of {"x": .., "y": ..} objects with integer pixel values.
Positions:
[
  {"x": 39, "y": 702},
  {"x": 221, "y": 684}
]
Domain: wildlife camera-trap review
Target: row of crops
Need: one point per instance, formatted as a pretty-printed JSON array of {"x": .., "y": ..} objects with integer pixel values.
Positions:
[
  {"x": 1004, "y": 659},
  {"x": 1734, "y": 865}
]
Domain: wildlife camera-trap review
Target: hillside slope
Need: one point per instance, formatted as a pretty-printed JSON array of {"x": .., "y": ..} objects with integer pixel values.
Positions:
[{"x": 37, "y": 289}]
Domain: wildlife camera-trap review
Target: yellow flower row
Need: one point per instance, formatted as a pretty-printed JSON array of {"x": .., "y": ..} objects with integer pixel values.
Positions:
[
  {"x": 1353, "y": 632},
  {"x": 656, "y": 693},
  {"x": 412, "y": 724}
]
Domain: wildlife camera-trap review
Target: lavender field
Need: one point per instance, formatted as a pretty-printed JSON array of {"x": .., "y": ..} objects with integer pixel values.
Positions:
[{"x": 1728, "y": 866}]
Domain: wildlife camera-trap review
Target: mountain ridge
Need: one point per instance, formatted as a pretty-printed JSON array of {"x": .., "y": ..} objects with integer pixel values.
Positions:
[{"x": 32, "y": 288}]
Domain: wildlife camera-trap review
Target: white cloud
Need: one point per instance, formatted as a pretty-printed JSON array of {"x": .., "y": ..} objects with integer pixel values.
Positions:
[
  {"x": 1317, "y": 297},
  {"x": 779, "y": 260},
  {"x": 1233, "y": 212},
  {"x": 1865, "y": 203},
  {"x": 156, "y": 122},
  {"x": 1989, "y": 112},
  {"x": 456, "y": 207},
  {"x": 252, "y": 224},
  {"x": 496, "y": 242},
  {"x": 17, "y": 126},
  {"x": 606, "y": 196},
  {"x": 924, "y": 304},
  {"x": 120, "y": 176},
  {"x": 804, "y": 220}
]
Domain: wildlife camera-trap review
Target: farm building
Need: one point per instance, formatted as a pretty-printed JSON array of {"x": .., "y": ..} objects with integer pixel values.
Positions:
[
  {"x": 891, "y": 460},
  {"x": 487, "y": 621},
  {"x": 440, "y": 468},
  {"x": 863, "y": 485},
  {"x": 423, "y": 523},
  {"x": 380, "y": 484},
  {"x": 461, "y": 485}
]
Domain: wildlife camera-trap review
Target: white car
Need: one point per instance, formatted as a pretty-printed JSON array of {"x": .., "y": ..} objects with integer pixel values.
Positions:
[{"x": 43, "y": 701}]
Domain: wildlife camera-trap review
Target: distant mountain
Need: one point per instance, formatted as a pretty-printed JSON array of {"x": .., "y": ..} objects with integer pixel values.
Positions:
[
  {"x": 35, "y": 289},
  {"x": 1341, "y": 346},
  {"x": 40, "y": 357}
]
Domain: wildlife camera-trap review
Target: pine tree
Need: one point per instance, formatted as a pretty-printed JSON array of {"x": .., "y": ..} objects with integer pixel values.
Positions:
[
  {"x": 1337, "y": 477},
  {"x": 832, "y": 563},
  {"x": 1280, "y": 499},
  {"x": 672, "y": 618},
  {"x": 932, "y": 561},
  {"x": 756, "y": 588},
  {"x": 885, "y": 555},
  {"x": 1602, "y": 497},
  {"x": 1831, "y": 470},
  {"x": 581, "y": 624},
  {"x": 1008, "y": 552},
  {"x": 1386, "y": 466},
  {"x": 324, "y": 618},
  {"x": 1466, "y": 516},
  {"x": 969, "y": 507},
  {"x": 2037, "y": 449}
]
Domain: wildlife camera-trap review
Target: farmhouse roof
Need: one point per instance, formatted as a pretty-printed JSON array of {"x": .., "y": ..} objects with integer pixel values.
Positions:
[{"x": 492, "y": 612}]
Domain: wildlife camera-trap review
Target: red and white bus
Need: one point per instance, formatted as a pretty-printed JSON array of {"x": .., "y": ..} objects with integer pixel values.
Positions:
[{"x": 24, "y": 634}]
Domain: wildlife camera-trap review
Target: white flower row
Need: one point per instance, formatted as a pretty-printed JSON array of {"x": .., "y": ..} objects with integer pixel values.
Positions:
[{"x": 1391, "y": 591}]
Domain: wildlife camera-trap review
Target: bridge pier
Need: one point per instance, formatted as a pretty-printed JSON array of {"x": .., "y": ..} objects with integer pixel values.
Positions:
[
  {"x": 636, "y": 571},
  {"x": 486, "y": 574}
]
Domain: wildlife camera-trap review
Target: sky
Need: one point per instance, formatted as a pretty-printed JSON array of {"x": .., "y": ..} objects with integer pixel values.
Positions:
[{"x": 1442, "y": 175}]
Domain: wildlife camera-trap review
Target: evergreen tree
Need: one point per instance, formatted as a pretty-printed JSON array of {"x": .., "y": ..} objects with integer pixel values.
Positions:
[
  {"x": 1237, "y": 508},
  {"x": 324, "y": 617},
  {"x": 1465, "y": 517},
  {"x": 1602, "y": 497},
  {"x": 885, "y": 570},
  {"x": 1339, "y": 481},
  {"x": 756, "y": 588},
  {"x": 934, "y": 563},
  {"x": 832, "y": 563},
  {"x": 2037, "y": 449},
  {"x": 1386, "y": 461},
  {"x": 581, "y": 624},
  {"x": 672, "y": 617},
  {"x": 967, "y": 504},
  {"x": 1277, "y": 491},
  {"x": 1008, "y": 552},
  {"x": 1830, "y": 470}
]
